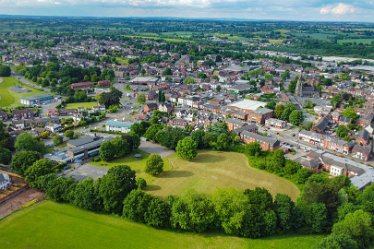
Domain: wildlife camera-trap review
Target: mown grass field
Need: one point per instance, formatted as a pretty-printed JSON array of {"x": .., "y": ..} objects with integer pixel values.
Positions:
[
  {"x": 136, "y": 164},
  {"x": 50, "y": 225},
  {"x": 209, "y": 171},
  {"x": 10, "y": 98},
  {"x": 85, "y": 105},
  {"x": 212, "y": 170}
]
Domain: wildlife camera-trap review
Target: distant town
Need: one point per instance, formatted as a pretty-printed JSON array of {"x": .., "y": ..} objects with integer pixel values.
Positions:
[{"x": 97, "y": 100}]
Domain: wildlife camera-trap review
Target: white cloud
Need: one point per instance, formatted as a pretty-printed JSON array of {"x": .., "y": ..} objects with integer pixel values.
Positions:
[{"x": 338, "y": 9}]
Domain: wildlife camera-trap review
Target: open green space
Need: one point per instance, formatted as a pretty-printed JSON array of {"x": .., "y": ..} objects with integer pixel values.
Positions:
[
  {"x": 212, "y": 170},
  {"x": 137, "y": 164},
  {"x": 52, "y": 225},
  {"x": 209, "y": 171},
  {"x": 9, "y": 98},
  {"x": 85, "y": 105}
]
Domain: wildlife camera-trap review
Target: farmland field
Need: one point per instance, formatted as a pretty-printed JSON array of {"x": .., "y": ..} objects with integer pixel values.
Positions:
[
  {"x": 9, "y": 98},
  {"x": 52, "y": 225}
]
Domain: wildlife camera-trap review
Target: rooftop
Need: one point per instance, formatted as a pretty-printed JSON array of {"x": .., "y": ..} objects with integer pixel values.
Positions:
[
  {"x": 247, "y": 104},
  {"x": 114, "y": 123}
]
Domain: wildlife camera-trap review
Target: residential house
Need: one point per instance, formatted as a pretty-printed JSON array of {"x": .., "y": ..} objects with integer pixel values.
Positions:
[
  {"x": 321, "y": 125},
  {"x": 149, "y": 107},
  {"x": 165, "y": 107},
  {"x": 267, "y": 143},
  {"x": 363, "y": 137},
  {"x": 23, "y": 114},
  {"x": 276, "y": 123},
  {"x": 362, "y": 152}
]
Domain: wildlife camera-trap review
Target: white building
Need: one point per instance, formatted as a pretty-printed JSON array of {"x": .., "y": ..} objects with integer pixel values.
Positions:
[{"x": 118, "y": 126}]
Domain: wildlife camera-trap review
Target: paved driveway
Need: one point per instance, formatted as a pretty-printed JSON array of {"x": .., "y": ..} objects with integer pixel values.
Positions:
[
  {"x": 152, "y": 148},
  {"x": 81, "y": 172}
]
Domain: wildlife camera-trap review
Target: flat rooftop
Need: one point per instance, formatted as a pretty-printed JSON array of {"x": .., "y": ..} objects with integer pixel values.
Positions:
[{"x": 247, "y": 104}]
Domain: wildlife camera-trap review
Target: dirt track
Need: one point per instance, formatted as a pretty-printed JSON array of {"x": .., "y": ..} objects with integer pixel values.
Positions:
[{"x": 16, "y": 202}]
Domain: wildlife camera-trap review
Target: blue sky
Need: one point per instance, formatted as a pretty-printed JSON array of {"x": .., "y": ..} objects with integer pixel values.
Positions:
[{"x": 309, "y": 10}]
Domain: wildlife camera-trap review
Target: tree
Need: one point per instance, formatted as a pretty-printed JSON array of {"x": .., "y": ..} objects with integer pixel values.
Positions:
[
  {"x": 5, "y": 71},
  {"x": 24, "y": 159},
  {"x": 342, "y": 131},
  {"x": 61, "y": 189},
  {"x": 5, "y": 156},
  {"x": 135, "y": 205},
  {"x": 151, "y": 132},
  {"x": 350, "y": 113},
  {"x": 86, "y": 195},
  {"x": 302, "y": 175},
  {"x": 358, "y": 226},
  {"x": 296, "y": 117},
  {"x": 141, "y": 183},
  {"x": 366, "y": 199},
  {"x": 69, "y": 134},
  {"x": 158, "y": 213},
  {"x": 271, "y": 105},
  {"x": 189, "y": 80},
  {"x": 154, "y": 165},
  {"x": 285, "y": 210},
  {"x": 167, "y": 71},
  {"x": 107, "y": 151},
  {"x": 229, "y": 206},
  {"x": 287, "y": 112},
  {"x": 140, "y": 98},
  {"x": 198, "y": 137},
  {"x": 57, "y": 140},
  {"x": 315, "y": 216},
  {"x": 26, "y": 141},
  {"x": 111, "y": 98},
  {"x": 338, "y": 242},
  {"x": 187, "y": 148},
  {"x": 115, "y": 186},
  {"x": 193, "y": 212},
  {"x": 40, "y": 168},
  {"x": 279, "y": 110}
]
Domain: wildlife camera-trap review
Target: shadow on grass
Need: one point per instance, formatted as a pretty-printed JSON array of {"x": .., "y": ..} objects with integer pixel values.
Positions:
[
  {"x": 176, "y": 174},
  {"x": 153, "y": 188}
]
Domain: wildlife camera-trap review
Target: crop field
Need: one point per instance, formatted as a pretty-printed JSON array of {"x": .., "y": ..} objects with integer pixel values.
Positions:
[
  {"x": 9, "y": 97},
  {"x": 51, "y": 225}
]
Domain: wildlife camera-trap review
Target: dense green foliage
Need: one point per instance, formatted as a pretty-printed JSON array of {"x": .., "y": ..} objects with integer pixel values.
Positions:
[{"x": 154, "y": 165}]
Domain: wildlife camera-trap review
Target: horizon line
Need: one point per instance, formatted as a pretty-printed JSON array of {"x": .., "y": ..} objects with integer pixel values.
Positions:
[{"x": 186, "y": 18}]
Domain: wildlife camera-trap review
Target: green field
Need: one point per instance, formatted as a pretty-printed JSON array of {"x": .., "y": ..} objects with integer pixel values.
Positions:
[
  {"x": 358, "y": 41},
  {"x": 209, "y": 171},
  {"x": 49, "y": 225},
  {"x": 85, "y": 105},
  {"x": 10, "y": 98},
  {"x": 136, "y": 164}
]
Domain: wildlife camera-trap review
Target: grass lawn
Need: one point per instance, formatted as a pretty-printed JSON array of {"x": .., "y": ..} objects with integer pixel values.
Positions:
[
  {"x": 10, "y": 98},
  {"x": 136, "y": 164},
  {"x": 211, "y": 170},
  {"x": 85, "y": 105},
  {"x": 52, "y": 225}
]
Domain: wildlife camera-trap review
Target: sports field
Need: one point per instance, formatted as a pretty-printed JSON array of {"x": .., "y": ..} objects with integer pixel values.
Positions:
[
  {"x": 85, "y": 105},
  {"x": 50, "y": 225},
  {"x": 9, "y": 98}
]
